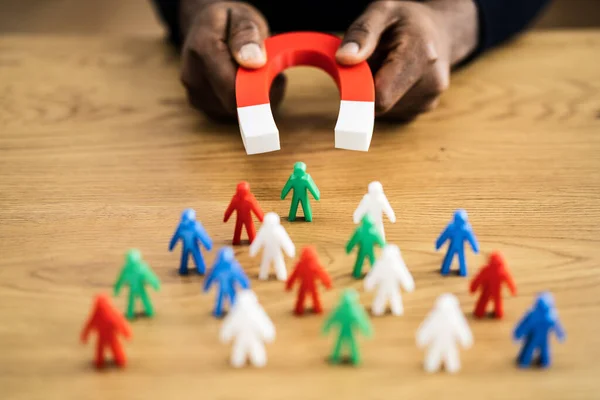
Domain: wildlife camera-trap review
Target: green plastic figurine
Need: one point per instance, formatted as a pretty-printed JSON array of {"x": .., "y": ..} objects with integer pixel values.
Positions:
[
  {"x": 366, "y": 236},
  {"x": 302, "y": 183},
  {"x": 349, "y": 315},
  {"x": 136, "y": 274}
]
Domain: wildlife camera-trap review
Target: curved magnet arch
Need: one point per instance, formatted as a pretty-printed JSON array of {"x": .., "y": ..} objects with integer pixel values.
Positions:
[{"x": 354, "y": 126}]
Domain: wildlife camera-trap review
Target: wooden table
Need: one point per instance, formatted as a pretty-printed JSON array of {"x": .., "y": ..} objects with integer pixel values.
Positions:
[{"x": 100, "y": 153}]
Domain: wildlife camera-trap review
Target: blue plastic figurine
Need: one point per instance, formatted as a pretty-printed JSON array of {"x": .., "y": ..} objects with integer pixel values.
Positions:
[
  {"x": 535, "y": 328},
  {"x": 190, "y": 232},
  {"x": 227, "y": 272},
  {"x": 458, "y": 231}
]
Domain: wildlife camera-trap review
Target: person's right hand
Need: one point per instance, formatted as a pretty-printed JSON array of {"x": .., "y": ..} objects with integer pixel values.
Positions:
[{"x": 221, "y": 36}]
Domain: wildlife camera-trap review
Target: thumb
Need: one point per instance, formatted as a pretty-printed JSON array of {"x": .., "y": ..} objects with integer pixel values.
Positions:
[
  {"x": 247, "y": 32},
  {"x": 361, "y": 39}
]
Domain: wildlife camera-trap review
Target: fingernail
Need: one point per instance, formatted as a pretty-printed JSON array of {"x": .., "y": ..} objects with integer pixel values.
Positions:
[
  {"x": 251, "y": 52},
  {"x": 350, "y": 48},
  {"x": 432, "y": 53}
]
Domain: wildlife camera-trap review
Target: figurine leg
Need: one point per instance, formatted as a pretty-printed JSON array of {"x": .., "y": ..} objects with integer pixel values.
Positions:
[
  {"x": 306, "y": 209},
  {"x": 316, "y": 302},
  {"x": 452, "y": 360},
  {"x": 354, "y": 352},
  {"x": 337, "y": 350},
  {"x": 238, "y": 354},
  {"x": 118, "y": 353},
  {"x": 396, "y": 303},
  {"x": 378, "y": 307},
  {"x": 371, "y": 256},
  {"x": 280, "y": 270},
  {"x": 183, "y": 266},
  {"x": 299, "y": 309},
  {"x": 526, "y": 353},
  {"x": 447, "y": 262},
  {"x": 250, "y": 230},
  {"x": 148, "y": 308},
  {"x": 237, "y": 234},
  {"x": 479, "y": 311},
  {"x": 293, "y": 209},
  {"x": 462, "y": 263},
  {"x": 360, "y": 259},
  {"x": 218, "y": 311},
  {"x": 130, "y": 305},
  {"x": 433, "y": 360},
  {"x": 263, "y": 273},
  {"x": 545, "y": 358},
  {"x": 498, "y": 306},
  {"x": 198, "y": 260},
  {"x": 99, "y": 360},
  {"x": 258, "y": 355}
]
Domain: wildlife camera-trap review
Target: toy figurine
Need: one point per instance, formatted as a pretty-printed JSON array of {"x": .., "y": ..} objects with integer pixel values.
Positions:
[
  {"x": 192, "y": 234},
  {"x": 302, "y": 183},
  {"x": 490, "y": 279},
  {"x": 136, "y": 274},
  {"x": 244, "y": 203},
  {"x": 375, "y": 204},
  {"x": 457, "y": 232},
  {"x": 108, "y": 323},
  {"x": 273, "y": 238},
  {"x": 228, "y": 274},
  {"x": 308, "y": 271},
  {"x": 366, "y": 236}
]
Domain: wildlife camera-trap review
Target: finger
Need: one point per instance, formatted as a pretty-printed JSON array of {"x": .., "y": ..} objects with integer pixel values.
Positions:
[
  {"x": 247, "y": 32},
  {"x": 403, "y": 67},
  {"x": 362, "y": 37}
]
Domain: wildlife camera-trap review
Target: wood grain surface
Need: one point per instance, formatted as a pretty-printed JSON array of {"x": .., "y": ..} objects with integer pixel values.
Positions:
[{"x": 100, "y": 153}]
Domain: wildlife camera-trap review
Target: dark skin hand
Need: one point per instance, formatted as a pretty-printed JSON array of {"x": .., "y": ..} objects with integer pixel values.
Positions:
[{"x": 410, "y": 47}]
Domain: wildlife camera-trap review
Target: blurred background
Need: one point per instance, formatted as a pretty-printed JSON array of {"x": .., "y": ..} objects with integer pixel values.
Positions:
[{"x": 136, "y": 17}]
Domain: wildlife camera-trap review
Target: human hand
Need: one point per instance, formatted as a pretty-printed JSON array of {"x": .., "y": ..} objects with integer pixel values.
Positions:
[
  {"x": 411, "y": 48},
  {"x": 220, "y": 37}
]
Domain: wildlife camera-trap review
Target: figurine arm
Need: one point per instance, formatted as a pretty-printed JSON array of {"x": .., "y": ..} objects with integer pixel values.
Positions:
[
  {"x": 228, "y": 329},
  {"x": 324, "y": 277},
  {"x": 242, "y": 278},
  {"x": 476, "y": 282},
  {"x": 286, "y": 243},
  {"x": 523, "y": 327},
  {"x": 257, "y": 243},
  {"x": 123, "y": 327},
  {"x": 292, "y": 278},
  {"x": 203, "y": 237},
  {"x": 405, "y": 277},
  {"x": 329, "y": 322},
  {"x": 463, "y": 332},
  {"x": 373, "y": 276},
  {"x": 352, "y": 242},
  {"x": 361, "y": 210},
  {"x": 313, "y": 189},
  {"x": 255, "y": 207},
  {"x": 230, "y": 209},
  {"x": 426, "y": 330},
  {"x": 379, "y": 239},
  {"x": 151, "y": 278},
  {"x": 286, "y": 189},
  {"x": 209, "y": 280},
  {"x": 387, "y": 209},
  {"x": 362, "y": 320},
  {"x": 85, "y": 333},
  {"x": 510, "y": 283},
  {"x": 174, "y": 239},
  {"x": 265, "y": 326},
  {"x": 443, "y": 238},
  {"x": 472, "y": 241},
  {"x": 119, "y": 283},
  {"x": 559, "y": 331}
]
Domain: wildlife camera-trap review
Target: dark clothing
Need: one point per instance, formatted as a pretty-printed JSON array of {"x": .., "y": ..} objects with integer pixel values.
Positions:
[{"x": 500, "y": 20}]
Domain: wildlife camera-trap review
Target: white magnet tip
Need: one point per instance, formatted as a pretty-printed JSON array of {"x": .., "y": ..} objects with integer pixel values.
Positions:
[
  {"x": 354, "y": 127},
  {"x": 258, "y": 129}
]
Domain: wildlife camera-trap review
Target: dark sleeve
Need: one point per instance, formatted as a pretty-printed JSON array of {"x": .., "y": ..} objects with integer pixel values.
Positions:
[
  {"x": 500, "y": 20},
  {"x": 168, "y": 11}
]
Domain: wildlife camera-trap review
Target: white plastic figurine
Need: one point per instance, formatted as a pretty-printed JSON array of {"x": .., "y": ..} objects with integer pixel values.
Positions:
[
  {"x": 251, "y": 327},
  {"x": 375, "y": 203},
  {"x": 442, "y": 329},
  {"x": 273, "y": 238},
  {"x": 388, "y": 273}
]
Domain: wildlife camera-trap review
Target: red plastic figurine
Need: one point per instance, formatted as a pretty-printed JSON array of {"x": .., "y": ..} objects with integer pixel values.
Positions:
[
  {"x": 490, "y": 278},
  {"x": 108, "y": 323},
  {"x": 245, "y": 204},
  {"x": 308, "y": 270}
]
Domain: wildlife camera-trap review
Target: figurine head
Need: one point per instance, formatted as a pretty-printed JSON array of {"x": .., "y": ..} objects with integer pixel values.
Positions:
[
  {"x": 447, "y": 302},
  {"x": 367, "y": 221},
  {"x": 245, "y": 299},
  {"x": 226, "y": 255},
  {"x": 349, "y": 300},
  {"x": 544, "y": 302},
  {"x": 391, "y": 251},
  {"x": 133, "y": 256},
  {"x": 308, "y": 253},
  {"x": 271, "y": 219},
  {"x": 299, "y": 169},
  {"x": 188, "y": 215},
  {"x": 242, "y": 189},
  {"x": 460, "y": 216},
  {"x": 496, "y": 261},
  {"x": 375, "y": 188}
]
